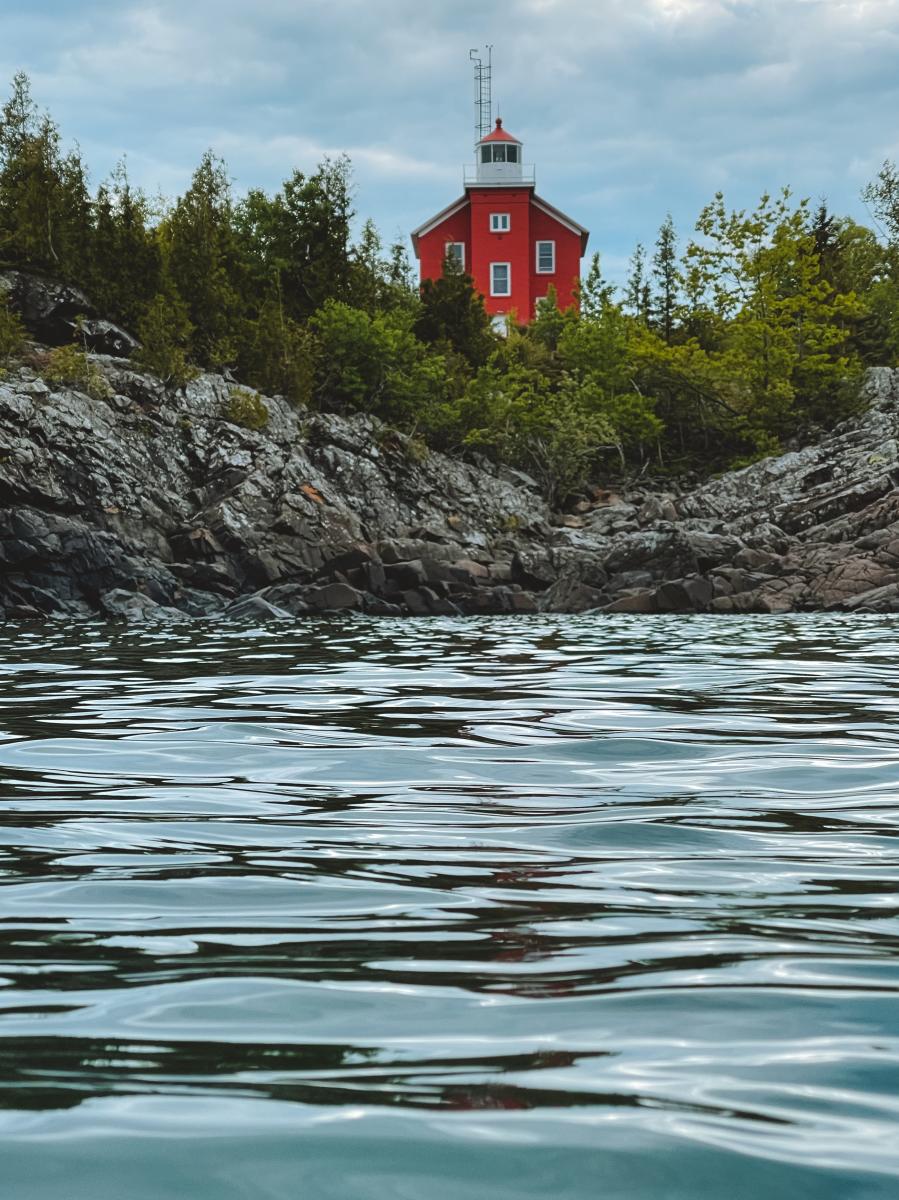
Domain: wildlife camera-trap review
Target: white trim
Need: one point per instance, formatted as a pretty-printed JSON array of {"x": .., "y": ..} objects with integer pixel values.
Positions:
[
  {"x": 461, "y": 245},
  {"x": 568, "y": 222},
  {"x": 449, "y": 211},
  {"x": 542, "y": 270},
  {"x": 508, "y": 266},
  {"x": 500, "y": 222}
]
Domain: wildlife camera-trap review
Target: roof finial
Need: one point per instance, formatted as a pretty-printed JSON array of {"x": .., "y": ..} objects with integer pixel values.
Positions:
[{"x": 499, "y": 122}]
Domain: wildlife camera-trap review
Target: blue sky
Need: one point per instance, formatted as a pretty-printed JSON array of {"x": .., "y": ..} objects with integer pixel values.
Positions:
[{"x": 628, "y": 109}]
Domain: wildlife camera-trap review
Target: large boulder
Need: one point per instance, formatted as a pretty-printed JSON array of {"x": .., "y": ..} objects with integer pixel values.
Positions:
[{"x": 58, "y": 314}]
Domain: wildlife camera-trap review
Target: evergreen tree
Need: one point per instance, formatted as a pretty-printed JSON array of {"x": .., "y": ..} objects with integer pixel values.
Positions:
[
  {"x": 201, "y": 256},
  {"x": 667, "y": 280},
  {"x": 278, "y": 354},
  {"x": 637, "y": 292},
  {"x": 45, "y": 209},
  {"x": 401, "y": 278},
  {"x": 453, "y": 314},
  {"x": 12, "y": 332},
  {"x": 594, "y": 291},
  {"x": 126, "y": 268},
  {"x": 165, "y": 334}
]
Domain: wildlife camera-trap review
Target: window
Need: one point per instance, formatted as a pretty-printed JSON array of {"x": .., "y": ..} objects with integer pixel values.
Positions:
[
  {"x": 499, "y": 153},
  {"x": 546, "y": 258},
  {"x": 456, "y": 252},
  {"x": 500, "y": 279},
  {"x": 500, "y": 222}
]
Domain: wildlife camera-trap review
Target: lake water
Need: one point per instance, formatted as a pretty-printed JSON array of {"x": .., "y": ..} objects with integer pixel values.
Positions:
[{"x": 563, "y": 907}]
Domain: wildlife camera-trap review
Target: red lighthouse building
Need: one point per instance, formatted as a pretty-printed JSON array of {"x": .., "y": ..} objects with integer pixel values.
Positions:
[{"x": 512, "y": 243}]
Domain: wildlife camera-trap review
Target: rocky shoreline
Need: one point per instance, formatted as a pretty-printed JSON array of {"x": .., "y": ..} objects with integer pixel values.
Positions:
[{"x": 150, "y": 504}]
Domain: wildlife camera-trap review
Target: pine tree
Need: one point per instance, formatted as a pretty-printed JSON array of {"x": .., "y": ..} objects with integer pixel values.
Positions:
[
  {"x": 665, "y": 272},
  {"x": 12, "y": 332},
  {"x": 277, "y": 354},
  {"x": 368, "y": 270},
  {"x": 637, "y": 295},
  {"x": 126, "y": 267},
  {"x": 452, "y": 313},
  {"x": 595, "y": 292},
  {"x": 200, "y": 251},
  {"x": 165, "y": 334},
  {"x": 45, "y": 209}
]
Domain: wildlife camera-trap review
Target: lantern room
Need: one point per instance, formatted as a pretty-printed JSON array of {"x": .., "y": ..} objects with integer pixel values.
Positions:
[{"x": 499, "y": 158}]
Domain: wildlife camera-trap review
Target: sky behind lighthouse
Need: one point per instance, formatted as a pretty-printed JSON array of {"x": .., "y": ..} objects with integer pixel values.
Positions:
[{"x": 629, "y": 111}]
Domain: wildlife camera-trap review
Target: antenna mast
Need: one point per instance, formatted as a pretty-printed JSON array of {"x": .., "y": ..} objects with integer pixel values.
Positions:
[{"x": 483, "y": 92}]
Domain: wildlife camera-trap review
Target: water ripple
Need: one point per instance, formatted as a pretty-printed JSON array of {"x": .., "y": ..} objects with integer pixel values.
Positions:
[{"x": 454, "y": 908}]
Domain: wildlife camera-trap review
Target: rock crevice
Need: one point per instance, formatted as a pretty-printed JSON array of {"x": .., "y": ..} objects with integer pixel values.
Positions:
[{"x": 151, "y": 503}]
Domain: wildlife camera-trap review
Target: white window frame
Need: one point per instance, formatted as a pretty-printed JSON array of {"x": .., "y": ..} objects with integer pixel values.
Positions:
[
  {"x": 500, "y": 222},
  {"x": 461, "y": 245},
  {"x": 542, "y": 270},
  {"x": 493, "y": 291}
]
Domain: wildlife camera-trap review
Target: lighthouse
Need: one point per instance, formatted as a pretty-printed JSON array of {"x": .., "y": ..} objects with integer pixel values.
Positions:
[{"x": 513, "y": 244}]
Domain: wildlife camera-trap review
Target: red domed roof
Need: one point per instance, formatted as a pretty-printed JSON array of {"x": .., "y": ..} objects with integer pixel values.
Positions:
[{"x": 499, "y": 134}]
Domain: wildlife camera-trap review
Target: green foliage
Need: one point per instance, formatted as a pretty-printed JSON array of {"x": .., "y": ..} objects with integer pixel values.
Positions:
[
  {"x": 595, "y": 292},
  {"x": 300, "y": 238},
  {"x": 376, "y": 364},
  {"x": 69, "y": 366},
  {"x": 452, "y": 316},
  {"x": 201, "y": 257},
  {"x": 665, "y": 301},
  {"x": 638, "y": 296},
  {"x": 513, "y": 416},
  {"x": 246, "y": 409},
  {"x": 278, "y": 354},
  {"x": 549, "y": 321},
  {"x": 755, "y": 333},
  {"x": 882, "y": 195},
  {"x": 45, "y": 211},
  {"x": 126, "y": 267},
  {"x": 165, "y": 332},
  {"x": 12, "y": 332},
  {"x": 785, "y": 355}
]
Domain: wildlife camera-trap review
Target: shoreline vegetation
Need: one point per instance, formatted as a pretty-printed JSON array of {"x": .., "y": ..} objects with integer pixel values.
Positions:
[{"x": 752, "y": 335}]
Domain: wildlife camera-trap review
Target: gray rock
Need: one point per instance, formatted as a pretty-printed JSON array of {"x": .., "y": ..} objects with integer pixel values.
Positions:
[
  {"x": 150, "y": 499},
  {"x": 255, "y": 608},
  {"x": 103, "y": 337},
  {"x": 49, "y": 308},
  {"x": 333, "y": 597},
  {"x": 404, "y": 576},
  {"x": 569, "y": 595},
  {"x": 135, "y": 607},
  {"x": 633, "y": 602},
  {"x": 533, "y": 569}
]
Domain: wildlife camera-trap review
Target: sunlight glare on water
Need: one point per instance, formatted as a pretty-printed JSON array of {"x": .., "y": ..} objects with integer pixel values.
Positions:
[{"x": 451, "y": 909}]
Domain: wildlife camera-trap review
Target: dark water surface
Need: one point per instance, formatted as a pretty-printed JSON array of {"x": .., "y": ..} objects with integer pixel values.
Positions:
[{"x": 451, "y": 909}]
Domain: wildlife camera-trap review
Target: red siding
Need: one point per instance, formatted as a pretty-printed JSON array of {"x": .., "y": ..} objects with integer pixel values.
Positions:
[
  {"x": 528, "y": 225},
  {"x": 545, "y": 228},
  {"x": 511, "y": 247},
  {"x": 432, "y": 245}
]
